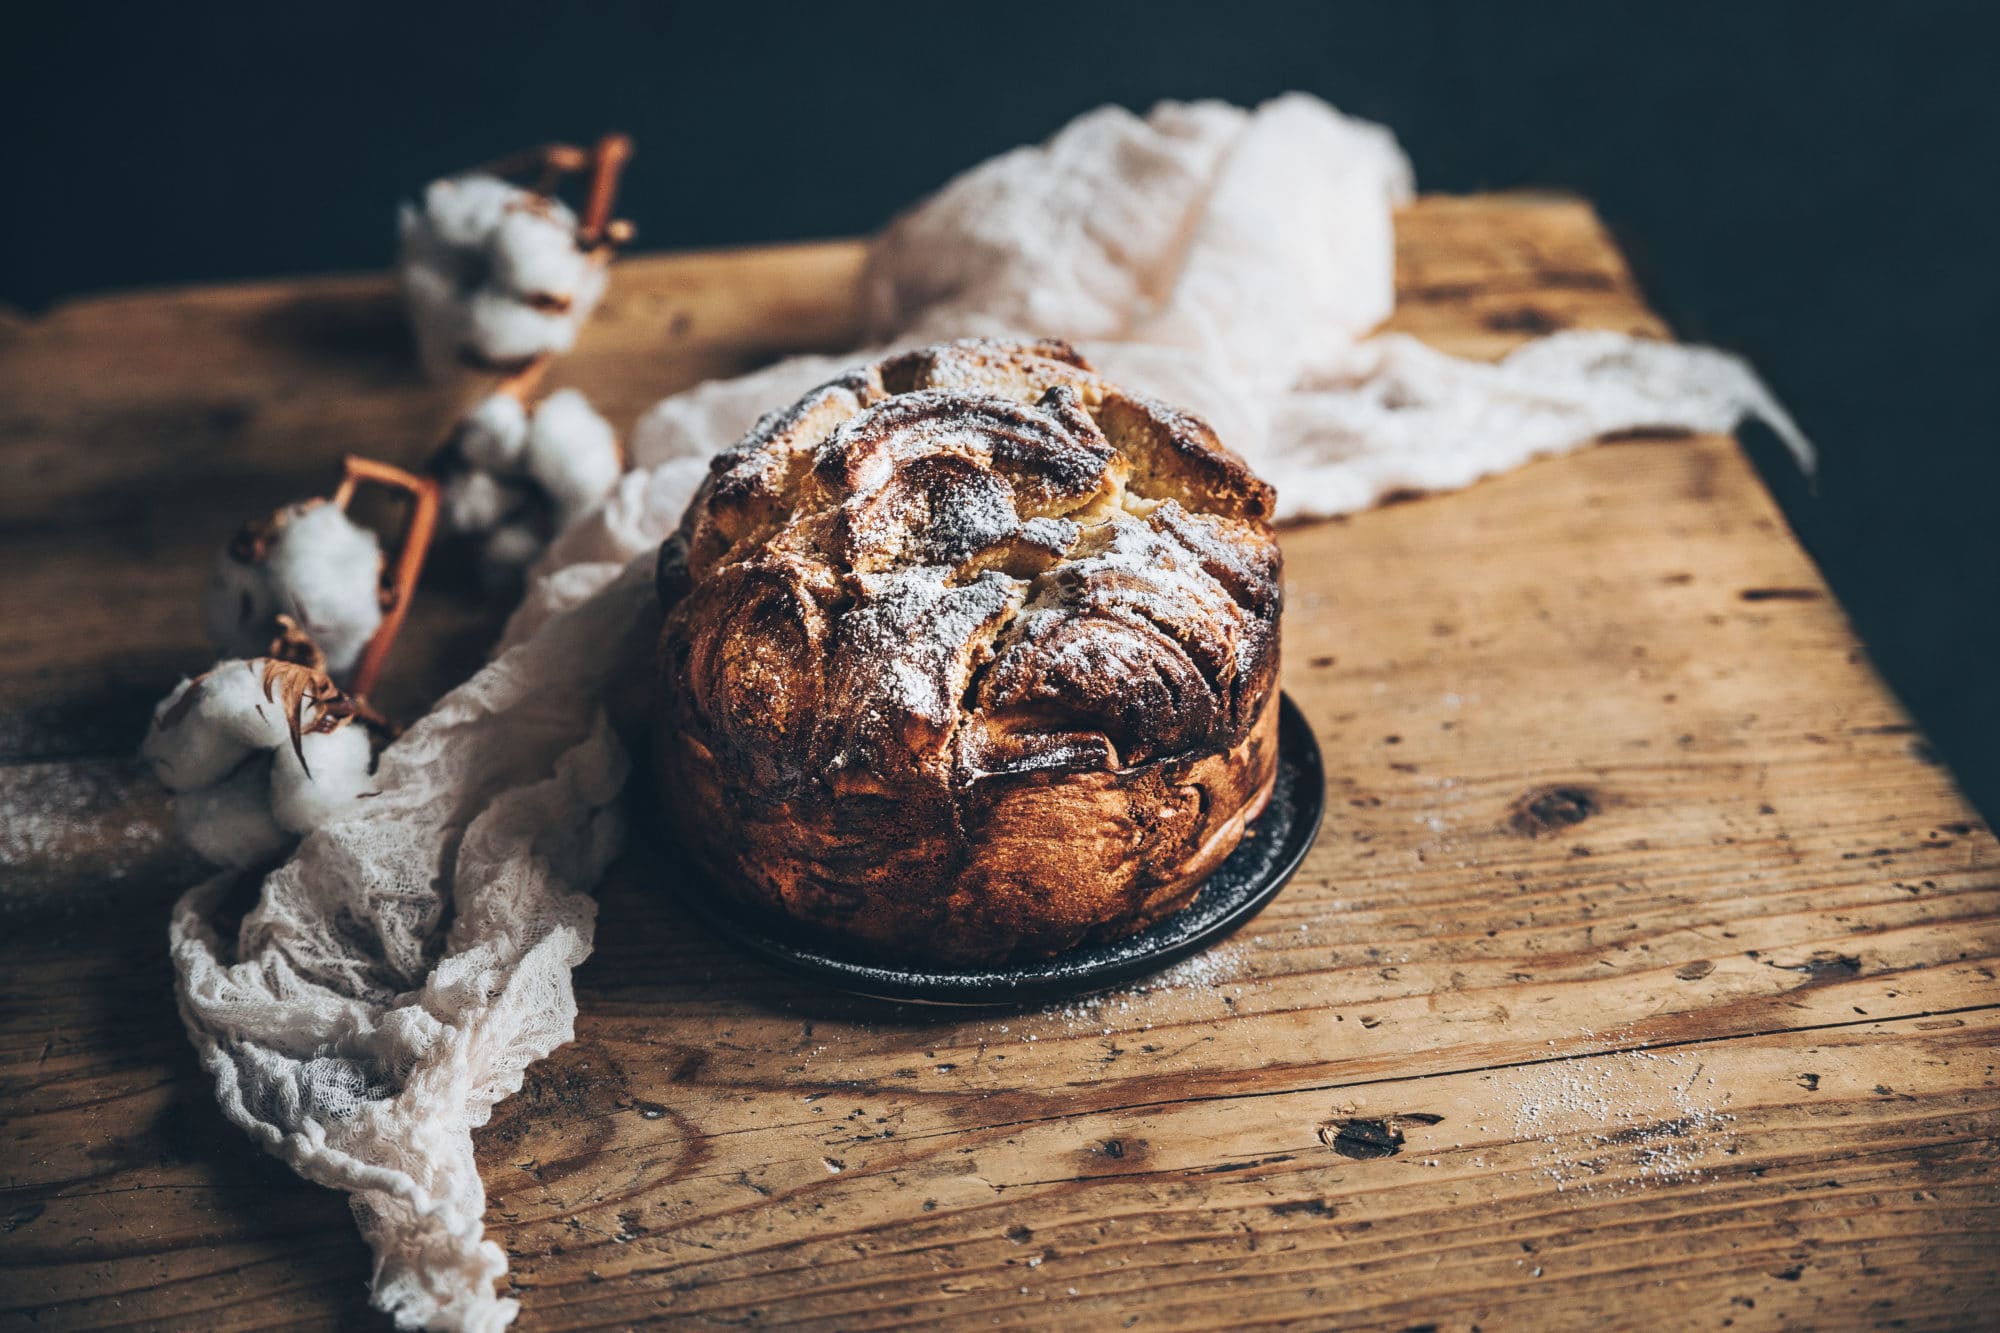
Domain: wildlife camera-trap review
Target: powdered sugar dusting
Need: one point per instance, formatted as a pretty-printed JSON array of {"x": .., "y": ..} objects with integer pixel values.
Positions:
[
  {"x": 1660, "y": 1114},
  {"x": 908, "y": 640},
  {"x": 1202, "y": 986},
  {"x": 48, "y": 812}
]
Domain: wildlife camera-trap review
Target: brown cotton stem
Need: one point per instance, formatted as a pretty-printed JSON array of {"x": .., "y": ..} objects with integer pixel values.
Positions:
[
  {"x": 608, "y": 161},
  {"x": 419, "y": 525},
  {"x": 524, "y": 383},
  {"x": 548, "y": 163}
]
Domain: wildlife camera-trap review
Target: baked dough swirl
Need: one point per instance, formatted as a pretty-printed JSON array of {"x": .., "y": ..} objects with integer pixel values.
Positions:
[{"x": 969, "y": 654}]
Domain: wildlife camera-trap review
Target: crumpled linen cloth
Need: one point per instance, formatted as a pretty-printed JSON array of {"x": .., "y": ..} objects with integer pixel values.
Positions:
[{"x": 403, "y": 968}]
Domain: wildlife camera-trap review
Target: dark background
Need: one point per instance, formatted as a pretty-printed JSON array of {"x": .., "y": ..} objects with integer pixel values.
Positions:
[{"x": 1810, "y": 184}]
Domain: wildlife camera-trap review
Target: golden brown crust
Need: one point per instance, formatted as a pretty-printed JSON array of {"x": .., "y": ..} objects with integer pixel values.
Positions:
[{"x": 969, "y": 654}]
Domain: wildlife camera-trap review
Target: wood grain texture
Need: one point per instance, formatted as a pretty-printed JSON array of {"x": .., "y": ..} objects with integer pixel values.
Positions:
[{"x": 1644, "y": 974}]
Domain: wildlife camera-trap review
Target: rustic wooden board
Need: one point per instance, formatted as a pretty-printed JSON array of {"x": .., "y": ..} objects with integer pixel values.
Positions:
[{"x": 1642, "y": 914}]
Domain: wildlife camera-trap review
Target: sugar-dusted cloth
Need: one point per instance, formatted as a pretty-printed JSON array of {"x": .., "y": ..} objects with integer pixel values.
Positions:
[{"x": 403, "y": 968}]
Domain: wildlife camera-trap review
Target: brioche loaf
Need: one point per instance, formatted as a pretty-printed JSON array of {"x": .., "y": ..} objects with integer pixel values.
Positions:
[{"x": 969, "y": 655}]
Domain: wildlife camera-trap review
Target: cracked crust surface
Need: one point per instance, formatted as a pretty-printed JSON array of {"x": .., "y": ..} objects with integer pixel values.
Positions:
[{"x": 970, "y": 654}]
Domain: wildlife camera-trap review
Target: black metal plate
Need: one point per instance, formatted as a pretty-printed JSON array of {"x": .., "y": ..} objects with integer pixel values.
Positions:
[{"x": 1272, "y": 849}]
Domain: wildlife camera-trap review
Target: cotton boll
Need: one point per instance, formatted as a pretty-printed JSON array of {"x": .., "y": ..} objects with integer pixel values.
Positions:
[
  {"x": 185, "y": 756},
  {"x": 310, "y": 562},
  {"x": 336, "y": 773},
  {"x": 572, "y": 454},
  {"x": 517, "y": 476},
  {"x": 239, "y": 607},
  {"x": 472, "y": 502},
  {"x": 326, "y": 573},
  {"x": 492, "y": 435},
  {"x": 504, "y": 331},
  {"x": 223, "y": 744},
  {"x": 588, "y": 292},
  {"x": 230, "y": 823},
  {"x": 452, "y": 269},
  {"x": 535, "y": 255},
  {"x": 511, "y": 547},
  {"x": 493, "y": 273},
  {"x": 209, "y": 725},
  {"x": 233, "y": 699},
  {"x": 437, "y": 313},
  {"x": 441, "y": 261},
  {"x": 465, "y": 211}
]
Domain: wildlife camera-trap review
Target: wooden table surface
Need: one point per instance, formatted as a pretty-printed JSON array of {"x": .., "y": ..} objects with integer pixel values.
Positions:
[{"x": 1643, "y": 974}]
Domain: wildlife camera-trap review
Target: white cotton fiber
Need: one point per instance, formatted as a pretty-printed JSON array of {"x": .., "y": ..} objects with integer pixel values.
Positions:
[
  {"x": 493, "y": 274},
  {"x": 326, "y": 573},
  {"x": 239, "y": 610},
  {"x": 492, "y": 434},
  {"x": 226, "y": 720},
  {"x": 527, "y": 475},
  {"x": 535, "y": 255},
  {"x": 572, "y": 454},
  {"x": 463, "y": 212},
  {"x": 334, "y": 776},
  {"x": 507, "y": 331},
  {"x": 473, "y": 502},
  {"x": 319, "y": 567},
  {"x": 230, "y": 823},
  {"x": 431, "y": 297},
  {"x": 511, "y": 547}
]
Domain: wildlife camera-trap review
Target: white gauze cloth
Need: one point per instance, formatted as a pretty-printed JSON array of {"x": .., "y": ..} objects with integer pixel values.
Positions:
[{"x": 404, "y": 967}]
